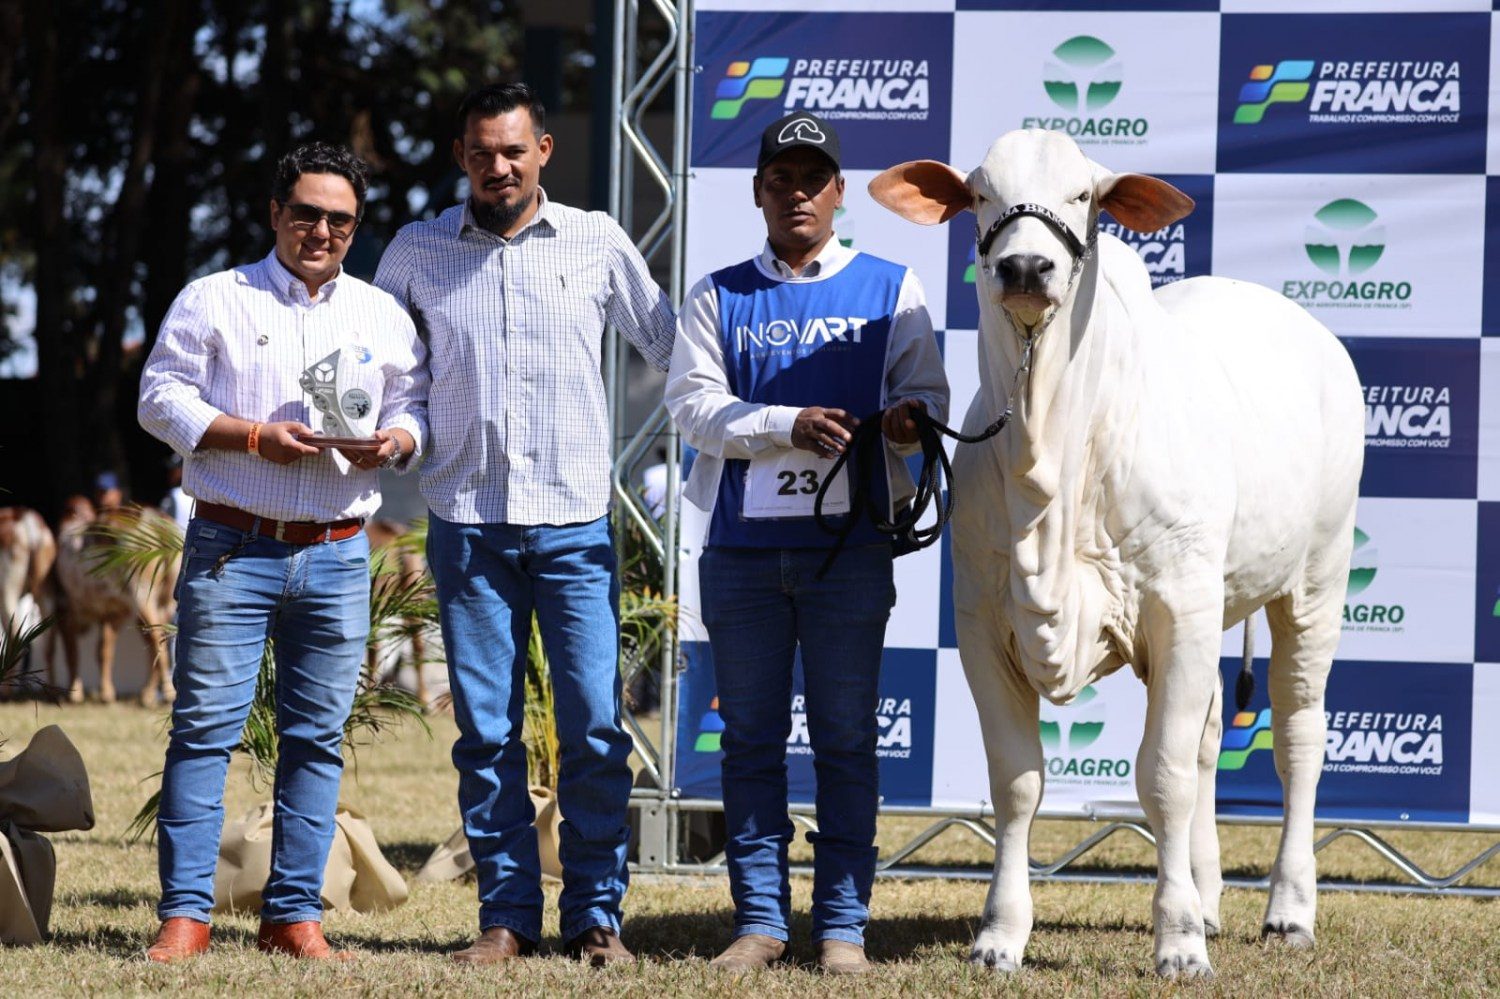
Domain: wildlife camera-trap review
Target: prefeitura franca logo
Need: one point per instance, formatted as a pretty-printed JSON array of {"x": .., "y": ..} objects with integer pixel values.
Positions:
[
  {"x": 1344, "y": 240},
  {"x": 745, "y": 81},
  {"x": 1248, "y": 732},
  {"x": 1083, "y": 77},
  {"x": 1284, "y": 82}
]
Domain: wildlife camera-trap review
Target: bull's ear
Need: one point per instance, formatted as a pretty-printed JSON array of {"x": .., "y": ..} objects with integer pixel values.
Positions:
[
  {"x": 1140, "y": 202},
  {"x": 923, "y": 191}
]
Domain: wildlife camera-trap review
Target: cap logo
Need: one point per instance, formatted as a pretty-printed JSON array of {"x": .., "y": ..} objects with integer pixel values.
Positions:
[{"x": 802, "y": 130}]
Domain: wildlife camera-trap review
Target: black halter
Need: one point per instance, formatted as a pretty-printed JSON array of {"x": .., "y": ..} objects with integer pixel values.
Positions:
[{"x": 1078, "y": 247}]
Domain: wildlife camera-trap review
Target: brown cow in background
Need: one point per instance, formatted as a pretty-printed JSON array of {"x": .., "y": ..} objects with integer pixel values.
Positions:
[
  {"x": 27, "y": 551},
  {"x": 85, "y": 599}
]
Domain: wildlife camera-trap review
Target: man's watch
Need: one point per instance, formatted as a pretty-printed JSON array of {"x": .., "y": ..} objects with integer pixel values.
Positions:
[{"x": 394, "y": 458}]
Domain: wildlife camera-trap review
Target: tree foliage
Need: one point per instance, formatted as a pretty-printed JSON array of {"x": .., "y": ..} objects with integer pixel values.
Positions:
[{"x": 137, "y": 146}]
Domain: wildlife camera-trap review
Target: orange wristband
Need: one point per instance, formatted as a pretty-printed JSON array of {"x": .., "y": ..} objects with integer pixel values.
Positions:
[{"x": 252, "y": 444}]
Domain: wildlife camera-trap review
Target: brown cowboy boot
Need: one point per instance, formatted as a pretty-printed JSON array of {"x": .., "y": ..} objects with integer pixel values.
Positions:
[
  {"x": 839, "y": 957},
  {"x": 495, "y": 945},
  {"x": 600, "y": 945},
  {"x": 749, "y": 952},
  {"x": 178, "y": 938},
  {"x": 304, "y": 939}
]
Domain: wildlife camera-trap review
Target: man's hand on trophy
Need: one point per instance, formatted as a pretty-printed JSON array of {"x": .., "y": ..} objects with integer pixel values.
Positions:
[{"x": 279, "y": 443}]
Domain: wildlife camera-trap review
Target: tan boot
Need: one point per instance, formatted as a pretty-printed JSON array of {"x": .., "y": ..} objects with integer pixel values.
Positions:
[
  {"x": 178, "y": 939},
  {"x": 749, "y": 952},
  {"x": 599, "y": 946},
  {"x": 839, "y": 957},
  {"x": 301, "y": 939}
]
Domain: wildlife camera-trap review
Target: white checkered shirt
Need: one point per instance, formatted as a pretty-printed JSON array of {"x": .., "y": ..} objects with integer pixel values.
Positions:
[
  {"x": 515, "y": 332},
  {"x": 236, "y": 343}
]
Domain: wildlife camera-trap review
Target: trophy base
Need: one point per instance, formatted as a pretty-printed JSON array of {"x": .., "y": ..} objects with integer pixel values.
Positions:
[{"x": 369, "y": 444}]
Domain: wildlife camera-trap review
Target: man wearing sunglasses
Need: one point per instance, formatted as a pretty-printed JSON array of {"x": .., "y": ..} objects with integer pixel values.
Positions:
[
  {"x": 511, "y": 292},
  {"x": 276, "y": 547}
]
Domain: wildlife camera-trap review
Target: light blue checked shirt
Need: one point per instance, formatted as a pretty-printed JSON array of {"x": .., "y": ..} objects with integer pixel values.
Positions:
[
  {"x": 515, "y": 330},
  {"x": 236, "y": 343}
]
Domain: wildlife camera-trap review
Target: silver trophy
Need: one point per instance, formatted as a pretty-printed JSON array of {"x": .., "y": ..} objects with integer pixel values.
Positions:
[{"x": 347, "y": 410}]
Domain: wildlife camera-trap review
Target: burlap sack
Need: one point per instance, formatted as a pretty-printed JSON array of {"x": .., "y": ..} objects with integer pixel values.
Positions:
[
  {"x": 357, "y": 875},
  {"x": 452, "y": 859},
  {"x": 44, "y": 788}
]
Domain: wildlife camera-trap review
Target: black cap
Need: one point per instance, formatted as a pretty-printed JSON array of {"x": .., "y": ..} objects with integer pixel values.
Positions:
[{"x": 801, "y": 128}]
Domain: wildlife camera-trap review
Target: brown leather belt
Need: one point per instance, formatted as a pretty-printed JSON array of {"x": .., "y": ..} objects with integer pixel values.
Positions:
[{"x": 293, "y": 532}]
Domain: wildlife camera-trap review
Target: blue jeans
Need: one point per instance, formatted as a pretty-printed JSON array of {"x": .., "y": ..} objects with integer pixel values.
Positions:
[
  {"x": 490, "y": 579},
  {"x": 314, "y": 601},
  {"x": 759, "y": 606}
]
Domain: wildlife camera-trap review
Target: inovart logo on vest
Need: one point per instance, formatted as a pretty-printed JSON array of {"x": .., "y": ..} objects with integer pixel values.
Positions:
[
  {"x": 1371, "y": 616},
  {"x": 786, "y": 335},
  {"x": 746, "y": 80},
  {"x": 1082, "y": 79},
  {"x": 1069, "y": 732},
  {"x": 1344, "y": 240}
]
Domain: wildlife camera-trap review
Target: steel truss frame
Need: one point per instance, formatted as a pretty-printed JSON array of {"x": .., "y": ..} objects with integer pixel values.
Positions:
[{"x": 638, "y": 85}]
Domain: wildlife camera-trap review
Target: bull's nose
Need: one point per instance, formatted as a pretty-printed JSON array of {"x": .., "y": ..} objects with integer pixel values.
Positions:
[{"x": 1024, "y": 273}]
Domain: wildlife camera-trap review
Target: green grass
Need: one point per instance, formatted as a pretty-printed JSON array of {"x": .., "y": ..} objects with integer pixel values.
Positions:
[{"x": 1089, "y": 939}]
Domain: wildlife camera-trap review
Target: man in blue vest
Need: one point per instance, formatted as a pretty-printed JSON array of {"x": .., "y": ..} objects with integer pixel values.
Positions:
[{"x": 776, "y": 359}]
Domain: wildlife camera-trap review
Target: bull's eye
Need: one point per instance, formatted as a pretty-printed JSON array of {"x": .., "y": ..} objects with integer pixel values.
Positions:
[{"x": 1082, "y": 197}]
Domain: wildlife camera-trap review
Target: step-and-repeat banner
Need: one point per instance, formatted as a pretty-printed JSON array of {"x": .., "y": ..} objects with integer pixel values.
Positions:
[{"x": 1344, "y": 154}]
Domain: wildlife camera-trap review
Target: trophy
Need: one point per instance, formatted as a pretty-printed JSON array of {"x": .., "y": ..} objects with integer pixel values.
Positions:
[{"x": 348, "y": 411}]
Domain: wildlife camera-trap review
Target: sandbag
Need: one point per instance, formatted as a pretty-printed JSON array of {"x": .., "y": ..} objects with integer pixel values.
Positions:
[
  {"x": 44, "y": 788},
  {"x": 357, "y": 876},
  {"x": 452, "y": 858}
]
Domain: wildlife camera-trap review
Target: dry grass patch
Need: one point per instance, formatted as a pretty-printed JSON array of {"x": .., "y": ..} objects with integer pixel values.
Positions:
[{"x": 1089, "y": 939}]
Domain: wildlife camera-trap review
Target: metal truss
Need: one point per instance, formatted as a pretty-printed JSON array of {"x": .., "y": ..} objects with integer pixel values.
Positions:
[{"x": 638, "y": 85}]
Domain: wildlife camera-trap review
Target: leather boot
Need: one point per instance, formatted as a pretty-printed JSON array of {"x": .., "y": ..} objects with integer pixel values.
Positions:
[
  {"x": 839, "y": 957},
  {"x": 495, "y": 945},
  {"x": 599, "y": 945},
  {"x": 749, "y": 952},
  {"x": 304, "y": 939},
  {"x": 178, "y": 938}
]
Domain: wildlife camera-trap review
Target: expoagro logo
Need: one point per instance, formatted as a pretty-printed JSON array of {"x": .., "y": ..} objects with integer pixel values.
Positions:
[
  {"x": 1343, "y": 240},
  {"x": 1068, "y": 731},
  {"x": 1383, "y": 91},
  {"x": 1364, "y": 563},
  {"x": 1083, "y": 78}
]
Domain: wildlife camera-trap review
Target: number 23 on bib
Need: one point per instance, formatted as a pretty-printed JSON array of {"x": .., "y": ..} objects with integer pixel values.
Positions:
[{"x": 786, "y": 484}]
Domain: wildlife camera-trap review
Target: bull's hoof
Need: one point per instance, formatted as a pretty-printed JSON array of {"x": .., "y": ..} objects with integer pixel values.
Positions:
[
  {"x": 147, "y": 697},
  {"x": 107, "y": 695},
  {"x": 75, "y": 692},
  {"x": 1210, "y": 927},
  {"x": 995, "y": 960},
  {"x": 168, "y": 695},
  {"x": 1287, "y": 934},
  {"x": 1183, "y": 967}
]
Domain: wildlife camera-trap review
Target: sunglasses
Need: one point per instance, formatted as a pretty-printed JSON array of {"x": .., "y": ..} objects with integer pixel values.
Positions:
[{"x": 308, "y": 216}]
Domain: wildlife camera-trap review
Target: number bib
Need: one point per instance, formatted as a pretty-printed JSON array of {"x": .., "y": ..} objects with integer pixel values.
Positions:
[{"x": 787, "y": 484}]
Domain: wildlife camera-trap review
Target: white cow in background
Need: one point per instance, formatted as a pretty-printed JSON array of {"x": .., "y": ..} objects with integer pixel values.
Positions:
[{"x": 1177, "y": 461}]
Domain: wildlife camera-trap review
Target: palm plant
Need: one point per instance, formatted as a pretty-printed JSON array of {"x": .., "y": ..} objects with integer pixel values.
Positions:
[
  {"x": 16, "y": 676},
  {"x": 142, "y": 544}
]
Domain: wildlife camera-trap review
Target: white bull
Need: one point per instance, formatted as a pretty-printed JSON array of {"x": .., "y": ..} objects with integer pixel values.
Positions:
[{"x": 1176, "y": 461}]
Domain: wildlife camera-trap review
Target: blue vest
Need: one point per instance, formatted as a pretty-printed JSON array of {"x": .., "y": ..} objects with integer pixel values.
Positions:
[{"x": 816, "y": 343}]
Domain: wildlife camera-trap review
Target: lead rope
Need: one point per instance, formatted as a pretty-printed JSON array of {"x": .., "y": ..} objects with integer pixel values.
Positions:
[{"x": 934, "y": 482}]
